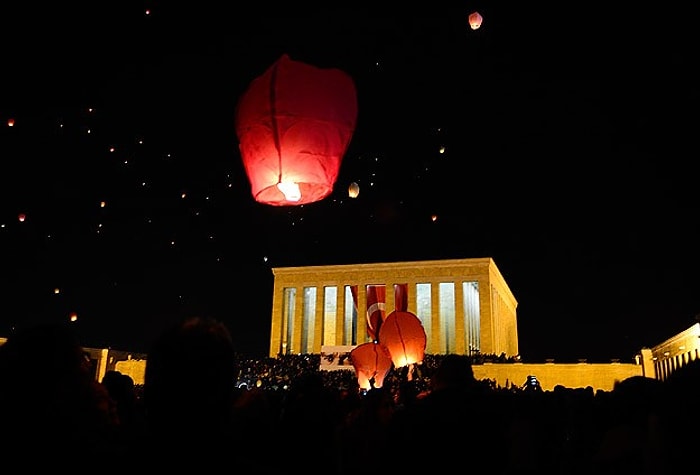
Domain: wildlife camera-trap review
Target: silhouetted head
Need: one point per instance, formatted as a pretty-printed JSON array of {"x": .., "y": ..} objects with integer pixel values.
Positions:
[
  {"x": 50, "y": 402},
  {"x": 42, "y": 359},
  {"x": 454, "y": 371},
  {"x": 191, "y": 373}
]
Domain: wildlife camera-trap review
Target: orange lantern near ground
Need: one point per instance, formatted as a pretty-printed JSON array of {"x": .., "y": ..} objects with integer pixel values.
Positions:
[
  {"x": 372, "y": 362},
  {"x": 294, "y": 124},
  {"x": 404, "y": 336},
  {"x": 475, "y": 20}
]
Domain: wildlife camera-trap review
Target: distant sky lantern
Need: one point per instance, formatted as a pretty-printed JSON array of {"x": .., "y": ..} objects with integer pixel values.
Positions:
[
  {"x": 404, "y": 336},
  {"x": 22, "y": 217},
  {"x": 10, "y": 122},
  {"x": 73, "y": 317},
  {"x": 372, "y": 362},
  {"x": 294, "y": 124},
  {"x": 475, "y": 20},
  {"x": 353, "y": 190}
]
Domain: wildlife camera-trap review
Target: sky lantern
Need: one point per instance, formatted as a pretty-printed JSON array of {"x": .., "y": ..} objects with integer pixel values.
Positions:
[
  {"x": 372, "y": 362},
  {"x": 22, "y": 217},
  {"x": 475, "y": 20},
  {"x": 353, "y": 190},
  {"x": 294, "y": 124},
  {"x": 404, "y": 336}
]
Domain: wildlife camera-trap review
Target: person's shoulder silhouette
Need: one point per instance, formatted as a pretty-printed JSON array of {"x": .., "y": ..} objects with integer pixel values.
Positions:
[
  {"x": 453, "y": 421},
  {"x": 190, "y": 376},
  {"x": 50, "y": 401},
  {"x": 189, "y": 393}
]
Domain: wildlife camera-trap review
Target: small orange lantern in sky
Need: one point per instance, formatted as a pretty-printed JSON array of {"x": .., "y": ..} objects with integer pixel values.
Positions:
[
  {"x": 372, "y": 362},
  {"x": 294, "y": 124},
  {"x": 404, "y": 336},
  {"x": 353, "y": 190},
  {"x": 22, "y": 217},
  {"x": 475, "y": 20}
]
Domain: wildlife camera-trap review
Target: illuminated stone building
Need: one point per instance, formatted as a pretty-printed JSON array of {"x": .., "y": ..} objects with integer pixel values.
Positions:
[
  {"x": 465, "y": 305},
  {"x": 671, "y": 354}
]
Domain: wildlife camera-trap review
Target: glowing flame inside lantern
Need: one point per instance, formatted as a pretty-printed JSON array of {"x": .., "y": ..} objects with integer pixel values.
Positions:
[{"x": 291, "y": 191}]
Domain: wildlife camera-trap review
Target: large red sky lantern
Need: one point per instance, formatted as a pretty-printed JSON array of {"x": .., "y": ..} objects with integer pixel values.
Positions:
[
  {"x": 372, "y": 362},
  {"x": 404, "y": 336},
  {"x": 294, "y": 124}
]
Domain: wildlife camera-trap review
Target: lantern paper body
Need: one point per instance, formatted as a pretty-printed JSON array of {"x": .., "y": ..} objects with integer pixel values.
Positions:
[
  {"x": 475, "y": 20},
  {"x": 371, "y": 360},
  {"x": 294, "y": 124},
  {"x": 404, "y": 336}
]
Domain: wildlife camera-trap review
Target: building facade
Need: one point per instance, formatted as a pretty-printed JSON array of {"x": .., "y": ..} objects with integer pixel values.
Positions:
[
  {"x": 671, "y": 354},
  {"x": 464, "y": 305}
]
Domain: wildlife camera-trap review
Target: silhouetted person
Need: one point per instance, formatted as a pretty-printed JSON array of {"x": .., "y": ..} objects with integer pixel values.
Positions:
[
  {"x": 453, "y": 428},
  {"x": 189, "y": 389},
  {"x": 362, "y": 436},
  {"x": 631, "y": 439},
  {"x": 681, "y": 415},
  {"x": 126, "y": 405},
  {"x": 52, "y": 410},
  {"x": 309, "y": 418}
]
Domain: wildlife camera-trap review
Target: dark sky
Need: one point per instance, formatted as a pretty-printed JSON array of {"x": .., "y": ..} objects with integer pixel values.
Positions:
[{"x": 569, "y": 135}]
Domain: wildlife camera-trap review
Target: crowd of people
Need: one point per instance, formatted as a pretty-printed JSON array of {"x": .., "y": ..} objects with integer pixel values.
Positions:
[{"x": 193, "y": 412}]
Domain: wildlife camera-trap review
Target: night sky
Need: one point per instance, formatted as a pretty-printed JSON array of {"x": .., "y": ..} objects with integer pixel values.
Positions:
[{"x": 561, "y": 141}]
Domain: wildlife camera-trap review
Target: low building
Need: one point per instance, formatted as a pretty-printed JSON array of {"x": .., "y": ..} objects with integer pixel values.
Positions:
[{"x": 671, "y": 354}]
